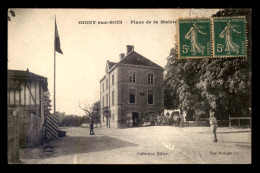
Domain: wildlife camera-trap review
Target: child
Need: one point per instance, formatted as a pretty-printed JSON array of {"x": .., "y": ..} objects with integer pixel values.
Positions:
[{"x": 213, "y": 124}]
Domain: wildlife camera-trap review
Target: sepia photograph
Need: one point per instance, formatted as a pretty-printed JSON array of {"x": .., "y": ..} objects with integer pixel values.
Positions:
[{"x": 129, "y": 86}]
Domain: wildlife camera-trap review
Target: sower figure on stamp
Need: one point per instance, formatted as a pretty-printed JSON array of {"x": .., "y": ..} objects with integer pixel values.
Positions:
[
  {"x": 192, "y": 35},
  {"x": 213, "y": 124},
  {"x": 91, "y": 121},
  {"x": 231, "y": 46}
]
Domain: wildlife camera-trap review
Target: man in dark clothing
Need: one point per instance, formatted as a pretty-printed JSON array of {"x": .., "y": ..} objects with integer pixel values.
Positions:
[
  {"x": 92, "y": 121},
  {"x": 133, "y": 121}
]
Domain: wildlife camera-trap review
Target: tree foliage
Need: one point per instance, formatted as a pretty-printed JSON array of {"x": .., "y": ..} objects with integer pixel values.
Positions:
[
  {"x": 12, "y": 14},
  {"x": 75, "y": 121},
  {"x": 70, "y": 120},
  {"x": 222, "y": 84},
  {"x": 47, "y": 102}
]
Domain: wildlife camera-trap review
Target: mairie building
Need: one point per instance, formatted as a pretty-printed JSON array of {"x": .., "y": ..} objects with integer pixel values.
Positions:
[{"x": 131, "y": 89}]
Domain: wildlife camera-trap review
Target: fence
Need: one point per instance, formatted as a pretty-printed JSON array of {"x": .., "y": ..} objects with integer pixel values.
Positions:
[
  {"x": 30, "y": 130},
  {"x": 239, "y": 120}
]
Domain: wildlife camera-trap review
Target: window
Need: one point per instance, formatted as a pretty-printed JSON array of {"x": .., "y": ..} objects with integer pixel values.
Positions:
[
  {"x": 8, "y": 98},
  {"x": 103, "y": 87},
  {"x": 132, "y": 77},
  {"x": 113, "y": 79},
  {"x": 16, "y": 97},
  {"x": 113, "y": 116},
  {"x": 150, "y": 97},
  {"x": 132, "y": 95},
  {"x": 12, "y": 102},
  {"x": 103, "y": 104},
  {"x": 107, "y": 84},
  {"x": 113, "y": 98},
  {"x": 106, "y": 100},
  {"x": 150, "y": 78}
]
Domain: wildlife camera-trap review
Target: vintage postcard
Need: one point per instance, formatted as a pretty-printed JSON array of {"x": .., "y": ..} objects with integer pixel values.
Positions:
[{"x": 129, "y": 86}]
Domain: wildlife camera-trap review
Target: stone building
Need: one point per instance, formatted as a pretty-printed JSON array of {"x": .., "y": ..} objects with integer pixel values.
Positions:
[{"x": 131, "y": 90}]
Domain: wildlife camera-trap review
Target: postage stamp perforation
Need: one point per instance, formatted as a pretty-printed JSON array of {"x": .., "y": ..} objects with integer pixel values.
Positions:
[
  {"x": 181, "y": 18},
  {"x": 212, "y": 37},
  {"x": 246, "y": 32},
  {"x": 177, "y": 38}
]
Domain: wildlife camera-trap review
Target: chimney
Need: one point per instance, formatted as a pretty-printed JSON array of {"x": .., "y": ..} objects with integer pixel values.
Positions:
[
  {"x": 121, "y": 56},
  {"x": 129, "y": 48}
]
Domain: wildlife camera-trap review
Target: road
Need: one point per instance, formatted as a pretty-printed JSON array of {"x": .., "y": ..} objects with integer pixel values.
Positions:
[{"x": 146, "y": 145}]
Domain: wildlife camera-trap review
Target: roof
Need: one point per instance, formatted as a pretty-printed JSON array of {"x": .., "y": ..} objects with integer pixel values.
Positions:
[
  {"x": 132, "y": 58},
  {"x": 110, "y": 64},
  {"x": 24, "y": 75},
  {"x": 135, "y": 58},
  {"x": 102, "y": 78}
]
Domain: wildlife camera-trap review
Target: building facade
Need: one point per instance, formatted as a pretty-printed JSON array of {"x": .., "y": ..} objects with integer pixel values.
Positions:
[
  {"x": 131, "y": 89},
  {"x": 25, "y": 100}
]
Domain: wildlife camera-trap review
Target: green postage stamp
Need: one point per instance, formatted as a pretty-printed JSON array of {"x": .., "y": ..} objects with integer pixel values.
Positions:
[
  {"x": 194, "y": 38},
  {"x": 229, "y": 37},
  {"x": 211, "y": 37}
]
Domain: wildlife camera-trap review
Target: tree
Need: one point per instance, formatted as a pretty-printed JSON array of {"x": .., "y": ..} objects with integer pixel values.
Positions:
[
  {"x": 70, "y": 120},
  {"x": 12, "y": 14},
  {"x": 180, "y": 82},
  {"x": 93, "y": 110},
  {"x": 47, "y": 101},
  {"x": 96, "y": 111}
]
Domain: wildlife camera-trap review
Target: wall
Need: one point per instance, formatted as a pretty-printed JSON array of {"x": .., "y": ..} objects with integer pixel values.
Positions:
[
  {"x": 30, "y": 126},
  {"x": 141, "y": 85},
  {"x": 114, "y": 108},
  {"x": 121, "y": 88},
  {"x": 108, "y": 91}
]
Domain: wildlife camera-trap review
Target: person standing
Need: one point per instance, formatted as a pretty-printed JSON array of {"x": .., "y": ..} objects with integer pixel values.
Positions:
[
  {"x": 213, "y": 124},
  {"x": 175, "y": 120},
  {"x": 181, "y": 120},
  {"x": 184, "y": 117},
  {"x": 194, "y": 118},
  {"x": 134, "y": 121},
  {"x": 92, "y": 121}
]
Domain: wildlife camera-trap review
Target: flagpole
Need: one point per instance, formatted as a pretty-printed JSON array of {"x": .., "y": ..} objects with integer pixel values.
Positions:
[{"x": 54, "y": 101}]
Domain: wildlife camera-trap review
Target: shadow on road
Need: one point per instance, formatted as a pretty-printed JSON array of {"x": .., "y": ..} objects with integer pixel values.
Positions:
[
  {"x": 229, "y": 132},
  {"x": 78, "y": 145},
  {"x": 236, "y": 132}
]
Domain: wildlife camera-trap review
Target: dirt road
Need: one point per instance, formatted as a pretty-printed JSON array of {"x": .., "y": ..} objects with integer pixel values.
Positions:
[{"x": 146, "y": 145}]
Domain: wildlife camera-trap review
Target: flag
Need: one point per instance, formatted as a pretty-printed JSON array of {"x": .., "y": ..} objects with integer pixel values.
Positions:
[{"x": 57, "y": 40}]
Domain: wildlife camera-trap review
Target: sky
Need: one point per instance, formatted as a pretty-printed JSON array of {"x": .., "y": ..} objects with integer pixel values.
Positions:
[{"x": 87, "y": 47}]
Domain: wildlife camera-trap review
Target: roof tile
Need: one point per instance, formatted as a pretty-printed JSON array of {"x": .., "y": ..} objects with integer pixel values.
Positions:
[{"x": 135, "y": 58}]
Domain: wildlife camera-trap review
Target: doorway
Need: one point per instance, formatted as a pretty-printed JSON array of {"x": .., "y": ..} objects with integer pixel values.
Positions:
[{"x": 135, "y": 118}]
